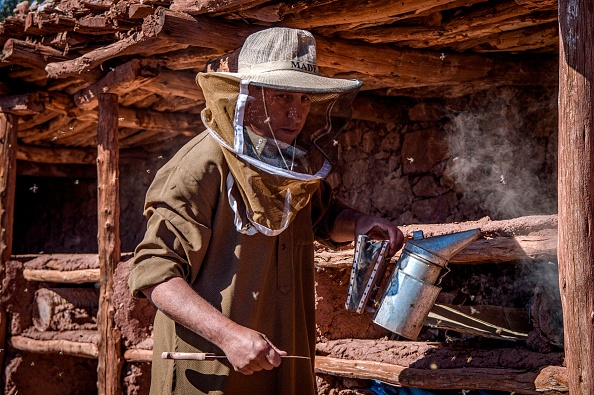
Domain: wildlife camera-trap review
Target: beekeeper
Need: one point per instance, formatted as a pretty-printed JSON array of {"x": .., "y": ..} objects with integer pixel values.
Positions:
[{"x": 227, "y": 257}]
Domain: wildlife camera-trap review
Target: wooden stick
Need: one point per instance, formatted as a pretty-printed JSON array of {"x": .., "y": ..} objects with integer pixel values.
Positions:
[{"x": 193, "y": 356}]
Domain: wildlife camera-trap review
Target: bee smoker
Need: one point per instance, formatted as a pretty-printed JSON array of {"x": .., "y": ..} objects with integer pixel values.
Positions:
[{"x": 411, "y": 290}]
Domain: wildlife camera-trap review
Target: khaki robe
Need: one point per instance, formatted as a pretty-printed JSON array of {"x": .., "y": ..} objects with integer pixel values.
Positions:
[{"x": 264, "y": 283}]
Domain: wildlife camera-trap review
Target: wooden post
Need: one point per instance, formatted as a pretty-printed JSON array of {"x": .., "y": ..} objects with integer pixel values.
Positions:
[
  {"x": 576, "y": 190},
  {"x": 109, "y": 344},
  {"x": 8, "y": 149}
]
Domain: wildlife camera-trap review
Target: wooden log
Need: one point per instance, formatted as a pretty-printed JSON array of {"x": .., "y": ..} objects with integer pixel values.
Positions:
[
  {"x": 538, "y": 5},
  {"x": 56, "y": 155},
  {"x": 194, "y": 7},
  {"x": 175, "y": 83},
  {"x": 481, "y": 23},
  {"x": 83, "y": 66},
  {"x": 189, "y": 58},
  {"x": 61, "y": 347},
  {"x": 354, "y": 13},
  {"x": 575, "y": 195},
  {"x": 109, "y": 345},
  {"x": 8, "y": 148},
  {"x": 185, "y": 29},
  {"x": 428, "y": 355},
  {"x": 543, "y": 37},
  {"x": 122, "y": 79},
  {"x": 3, "y": 330},
  {"x": 74, "y": 172},
  {"x": 509, "y": 380},
  {"x": 8, "y": 172},
  {"x": 30, "y": 55},
  {"x": 65, "y": 277},
  {"x": 139, "y": 11},
  {"x": 60, "y": 309},
  {"x": 138, "y": 355},
  {"x": 25, "y": 104}
]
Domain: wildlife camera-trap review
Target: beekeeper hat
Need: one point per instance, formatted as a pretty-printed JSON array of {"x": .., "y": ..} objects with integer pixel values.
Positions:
[{"x": 285, "y": 58}]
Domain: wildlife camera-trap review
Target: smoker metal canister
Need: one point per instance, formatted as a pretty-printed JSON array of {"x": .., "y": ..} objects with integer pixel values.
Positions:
[
  {"x": 407, "y": 298},
  {"x": 410, "y": 292},
  {"x": 419, "y": 268}
]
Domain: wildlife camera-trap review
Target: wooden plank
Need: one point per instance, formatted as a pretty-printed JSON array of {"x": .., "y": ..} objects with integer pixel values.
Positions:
[
  {"x": 63, "y": 277},
  {"x": 110, "y": 353},
  {"x": 62, "y": 347},
  {"x": 8, "y": 171},
  {"x": 575, "y": 194},
  {"x": 509, "y": 380}
]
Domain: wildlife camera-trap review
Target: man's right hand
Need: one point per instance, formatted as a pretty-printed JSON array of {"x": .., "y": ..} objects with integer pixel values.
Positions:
[
  {"x": 250, "y": 351},
  {"x": 247, "y": 350}
]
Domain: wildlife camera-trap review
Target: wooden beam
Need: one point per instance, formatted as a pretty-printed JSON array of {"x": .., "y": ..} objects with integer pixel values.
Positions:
[
  {"x": 185, "y": 29},
  {"x": 509, "y": 380},
  {"x": 25, "y": 104},
  {"x": 543, "y": 37},
  {"x": 481, "y": 23},
  {"x": 27, "y": 54},
  {"x": 137, "y": 43},
  {"x": 538, "y": 5},
  {"x": 109, "y": 345},
  {"x": 175, "y": 83},
  {"x": 72, "y": 155},
  {"x": 195, "y": 7},
  {"x": 122, "y": 79},
  {"x": 72, "y": 171},
  {"x": 351, "y": 13},
  {"x": 575, "y": 192},
  {"x": 8, "y": 147}
]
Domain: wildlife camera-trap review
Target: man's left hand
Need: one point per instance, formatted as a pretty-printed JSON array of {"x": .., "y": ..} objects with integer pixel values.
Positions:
[{"x": 379, "y": 228}]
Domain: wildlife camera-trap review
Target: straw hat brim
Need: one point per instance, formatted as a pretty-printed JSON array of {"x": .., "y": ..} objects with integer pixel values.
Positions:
[{"x": 295, "y": 80}]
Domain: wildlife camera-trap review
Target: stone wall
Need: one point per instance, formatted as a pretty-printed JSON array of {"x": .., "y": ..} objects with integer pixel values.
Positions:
[{"x": 490, "y": 154}]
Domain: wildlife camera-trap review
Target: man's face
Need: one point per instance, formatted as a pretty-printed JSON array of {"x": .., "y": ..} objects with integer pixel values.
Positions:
[{"x": 275, "y": 113}]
